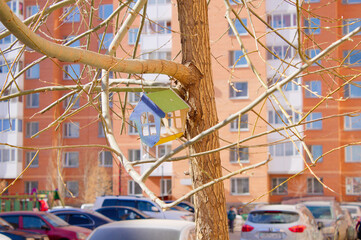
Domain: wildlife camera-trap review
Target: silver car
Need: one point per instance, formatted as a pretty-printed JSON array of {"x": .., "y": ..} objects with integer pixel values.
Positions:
[
  {"x": 149, "y": 229},
  {"x": 284, "y": 222}
]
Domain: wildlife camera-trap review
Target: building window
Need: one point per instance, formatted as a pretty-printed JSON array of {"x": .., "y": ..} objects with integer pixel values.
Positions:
[
  {"x": 351, "y": 24},
  {"x": 73, "y": 187},
  {"x": 9, "y": 125},
  {"x": 71, "y": 14},
  {"x": 32, "y": 128},
  {"x": 314, "y": 186},
  {"x": 351, "y": 1},
  {"x": 105, "y": 10},
  {"x": 71, "y": 72},
  {"x": 31, "y": 187},
  {"x": 237, "y": 59},
  {"x": 239, "y": 186},
  {"x": 164, "y": 55},
  {"x": 4, "y": 155},
  {"x": 134, "y": 188},
  {"x": 237, "y": 155},
  {"x": 32, "y": 100},
  {"x": 151, "y": 2},
  {"x": 132, "y": 129},
  {"x": 105, "y": 159},
  {"x": 101, "y": 132},
  {"x": 166, "y": 187},
  {"x": 316, "y": 125},
  {"x": 104, "y": 42},
  {"x": 314, "y": 89},
  {"x": 134, "y": 97},
  {"x": 240, "y": 124},
  {"x": 134, "y": 155},
  {"x": 72, "y": 101},
  {"x": 31, "y": 10},
  {"x": 312, "y": 26},
  {"x": 352, "y": 57},
  {"x": 290, "y": 86},
  {"x": 158, "y": 27},
  {"x": 71, "y": 159},
  {"x": 285, "y": 149},
  {"x": 282, "y": 189},
  {"x": 132, "y": 36},
  {"x": 352, "y": 123},
  {"x": 238, "y": 90},
  {"x": 281, "y": 20},
  {"x": 280, "y": 52},
  {"x": 30, "y": 156},
  {"x": 240, "y": 29},
  {"x": 352, "y": 90},
  {"x": 316, "y": 151},
  {"x": 311, "y": 53},
  {"x": 33, "y": 72},
  {"x": 353, "y": 153},
  {"x": 278, "y": 117},
  {"x": 71, "y": 130},
  {"x": 73, "y": 44},
  {"x": 353, "y": 185}
]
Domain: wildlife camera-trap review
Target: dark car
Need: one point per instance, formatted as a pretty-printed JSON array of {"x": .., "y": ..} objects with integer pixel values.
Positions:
[
  {"x": 8, "y": 231},
  {"x": 81, "y": 217},
  {"x": 185, "y": 205},
  {"x": 119, "y": 213},
  {"x": 45, "y": 223}
]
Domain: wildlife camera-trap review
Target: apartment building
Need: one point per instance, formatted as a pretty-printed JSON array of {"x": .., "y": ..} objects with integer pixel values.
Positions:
[
  {"x": 337, "y": 169},
  {"x": 48, "y": 140}
]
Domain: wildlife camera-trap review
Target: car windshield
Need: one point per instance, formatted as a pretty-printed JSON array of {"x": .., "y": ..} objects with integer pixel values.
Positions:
[
  {"x": 55, "y": 221},
  {"x": 276, "y": 217},
  {"x": 320, "y": 212},
  {"x": 4, "y": 224}
]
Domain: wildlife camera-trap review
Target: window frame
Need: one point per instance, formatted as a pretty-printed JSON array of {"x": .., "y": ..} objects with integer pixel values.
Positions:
[
  {"x": 238, "y": 94},
  {"x": 71, "y": 72},
  {"x": 29, "y": 156},
  {"x": 234, "y": 125},
  {"x": 31, "y": 129},
  {"x": 71, "y": 130},
  {"x": 133, "y": 153},
  {"x": 103, "y": 160},
  {"x": 234, "y": 186},
  {"x": 314, "y": 149},
  {"x": 347, "y": 54},
  {"x": 103, "y": 12},
  {"x": 133, "y": 187},
  {"x": 33, "y": 72},
  {"x": 316, "y": 125},
  {"x": 311, "y": 189},
  {"x": 242, "y": 152},
  {"x": 165, "y": 183},
  {"x": 237, "y": 59},
  {"x": 279, "y": 190},
  {"x": 350, "y": 93},
  {"x": 66, "y": 160},
  {"x": 33, "y": 100},
  {"x": 240, "y": 29},
  {"x": 313, "y": 86},
  {"x": 350, "y": 152},
  {"x": 312, "y": 26},
  {"x": 350, "y": 185},
  {"x": 352, "y": 123},
  {"x": 73, "y": 189}
]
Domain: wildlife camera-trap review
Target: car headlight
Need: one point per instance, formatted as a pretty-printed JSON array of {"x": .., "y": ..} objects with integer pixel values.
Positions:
[{"x": 80, "y": 236}]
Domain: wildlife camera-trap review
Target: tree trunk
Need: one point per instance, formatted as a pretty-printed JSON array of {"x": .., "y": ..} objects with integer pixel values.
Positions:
[{"x": 211, "y": 217}]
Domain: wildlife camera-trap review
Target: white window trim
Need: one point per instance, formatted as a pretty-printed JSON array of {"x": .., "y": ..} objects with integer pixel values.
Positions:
[
  {"x": 240, "y": 194},
  {"x": 66, "y": 159}
]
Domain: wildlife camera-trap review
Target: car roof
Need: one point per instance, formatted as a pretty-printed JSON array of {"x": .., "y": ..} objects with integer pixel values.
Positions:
[
  {"x": 151, "y": 224},
  {"x": 318, "y": 203},
  {"x": 277, "y": 207},
  {"x": 23, "y": 213}
]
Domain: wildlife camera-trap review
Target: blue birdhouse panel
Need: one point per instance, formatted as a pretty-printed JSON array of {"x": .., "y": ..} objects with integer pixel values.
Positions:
[{"x": 147, "y": 117}]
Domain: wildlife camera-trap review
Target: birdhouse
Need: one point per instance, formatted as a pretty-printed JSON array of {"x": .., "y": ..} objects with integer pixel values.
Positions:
[{"x": 160, "y": 117}]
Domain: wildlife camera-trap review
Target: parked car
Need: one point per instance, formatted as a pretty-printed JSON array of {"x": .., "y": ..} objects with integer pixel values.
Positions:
[
  {"x": 150, "y": 229},
  {"x": 119, "y": 213},
  {"x": 280, "y": 222},
  {"x": 329, "y": 214},
  {"x": 8, "y": 232},
  {"x": 80, "y": 217},
  {"x": 45, "y": 223},
  {"x": 143, "y": 204},
  {"x": 354, "y": 209},
  {"x": 186, "y": 205}
]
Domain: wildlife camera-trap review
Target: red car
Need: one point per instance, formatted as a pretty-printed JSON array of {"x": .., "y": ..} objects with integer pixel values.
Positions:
[{"x": 45, "y": 223}]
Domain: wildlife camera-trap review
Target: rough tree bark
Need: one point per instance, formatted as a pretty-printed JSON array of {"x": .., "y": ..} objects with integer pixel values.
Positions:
[{"x": 211, "y": 217}]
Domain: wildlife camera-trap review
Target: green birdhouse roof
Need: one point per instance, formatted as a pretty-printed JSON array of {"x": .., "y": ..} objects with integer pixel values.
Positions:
[{"x": 168, "y": 101}]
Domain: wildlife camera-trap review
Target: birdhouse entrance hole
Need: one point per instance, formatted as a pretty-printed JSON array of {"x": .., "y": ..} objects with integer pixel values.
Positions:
[{"x": 148, "y": 124}]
